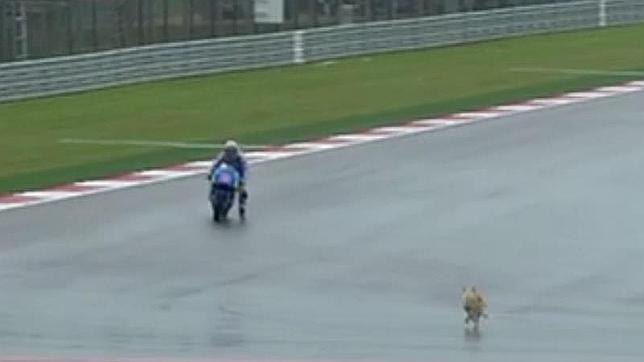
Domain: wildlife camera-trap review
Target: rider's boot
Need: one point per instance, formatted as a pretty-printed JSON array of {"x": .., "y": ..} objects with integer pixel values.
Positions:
[{"x": 242, "y": 204}]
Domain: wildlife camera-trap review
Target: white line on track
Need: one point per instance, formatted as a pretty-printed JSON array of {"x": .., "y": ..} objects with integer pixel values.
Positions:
[
  {"x": 589, "y": 95},
  {"x": 618, "y": 73},
  {"x": 310, "y": 145},
  {"x": 478, "y": 115},
  {"x": 517, "y": 108},
  {"x": 552, "y": 101},
  {"x": 358, "y": 138},
  {"x": 11, "y": 206},
  {"x": 398, "y": 130},
  {"x": 149, "y": 143},
  {"x": 49, "y": 194},
  {"x": 268, "y": 155},
  {"x": 438, "y": 122},
  {"x": 164, "y": 173},
  {"x": 620, "y": 89},
  {"x": 108, "y": 184},
  {"x": 202, "y": 164}
]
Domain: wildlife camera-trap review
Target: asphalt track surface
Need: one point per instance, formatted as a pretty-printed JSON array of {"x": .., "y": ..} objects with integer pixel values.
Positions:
[{"x": 356, "y": 254}]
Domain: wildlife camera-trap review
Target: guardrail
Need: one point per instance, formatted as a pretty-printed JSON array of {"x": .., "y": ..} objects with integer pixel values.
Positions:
[{"x": 59, "y": 75}]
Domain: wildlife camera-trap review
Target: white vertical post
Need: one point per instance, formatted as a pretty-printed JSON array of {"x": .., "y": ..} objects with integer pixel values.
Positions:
[
  {"x": 298, "y": 47},
  {"x": 21, "y": 40},
  {"x": 602, "y": 13}
]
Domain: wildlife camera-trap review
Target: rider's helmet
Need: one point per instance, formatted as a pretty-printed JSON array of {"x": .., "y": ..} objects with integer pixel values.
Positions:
[{"x": 231, "y": 148}]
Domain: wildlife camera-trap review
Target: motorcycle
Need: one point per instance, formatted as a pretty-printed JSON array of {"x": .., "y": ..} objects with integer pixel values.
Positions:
[{"x": 224, "y": 184}]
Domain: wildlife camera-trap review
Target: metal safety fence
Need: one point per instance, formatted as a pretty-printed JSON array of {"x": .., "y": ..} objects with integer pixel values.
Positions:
[
  {"x": 31, "y": 29},
  {"x": 152, "y": 62}
]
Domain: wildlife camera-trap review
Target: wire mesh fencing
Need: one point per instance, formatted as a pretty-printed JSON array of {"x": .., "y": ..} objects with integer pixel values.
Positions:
[{"x": 44, "y": 28}]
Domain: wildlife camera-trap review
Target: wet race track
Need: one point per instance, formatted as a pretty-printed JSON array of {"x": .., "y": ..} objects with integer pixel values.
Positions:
[{"x": 355, "y": 254}]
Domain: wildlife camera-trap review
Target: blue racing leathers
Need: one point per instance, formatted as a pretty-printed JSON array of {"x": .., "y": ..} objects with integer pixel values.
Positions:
[{"x": 239, "y": 163}]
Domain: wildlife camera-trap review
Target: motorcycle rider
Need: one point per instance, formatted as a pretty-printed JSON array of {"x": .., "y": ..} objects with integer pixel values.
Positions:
[
  {"x": 232, "y": 155},
  {"x": 473, "y": 304}
]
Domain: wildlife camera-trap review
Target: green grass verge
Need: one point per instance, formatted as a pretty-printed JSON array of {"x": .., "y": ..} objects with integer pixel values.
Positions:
[{"x": 293, "y": 103}]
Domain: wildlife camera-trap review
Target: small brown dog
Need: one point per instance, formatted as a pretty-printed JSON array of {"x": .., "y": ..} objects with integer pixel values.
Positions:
[{"x": 474, "y": 305}]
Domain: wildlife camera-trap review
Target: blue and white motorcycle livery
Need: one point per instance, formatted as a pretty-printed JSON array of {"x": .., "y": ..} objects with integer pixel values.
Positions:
[{"x": 224, "y": 182}]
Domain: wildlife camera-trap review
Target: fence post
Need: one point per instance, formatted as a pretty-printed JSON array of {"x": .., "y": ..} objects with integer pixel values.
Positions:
[
  {"x": 420, "y": 6},
  {"x": 150, "y": 15},
  {"x": 10, "y": 27},
  {"x": 368, "y": 11},
  {"x": 212, "y": 16},
  {"x": 94, "y": 26},
  {"x": 21, "y": 38},
  {"x": 235, "y": 15},
  {"x": 313, "y": 13},
  {"x": 298, "y": 47},
  {"x": 166, "y": 34},
  {"x": 2, "y": 32},
  {"x": 70, "y": 28},
  {"x": 219, "y": 18},
  {"x": 191, "y": 19},
  {"x": 120, "y": 24},
  {"x": 602, "y": 13},
  {"x": 296, "y": 14},
  {"x": 140, "y": 33}
]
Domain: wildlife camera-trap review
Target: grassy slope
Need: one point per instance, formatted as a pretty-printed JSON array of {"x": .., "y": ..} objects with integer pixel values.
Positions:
[{"x": 281, "y": 104}]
